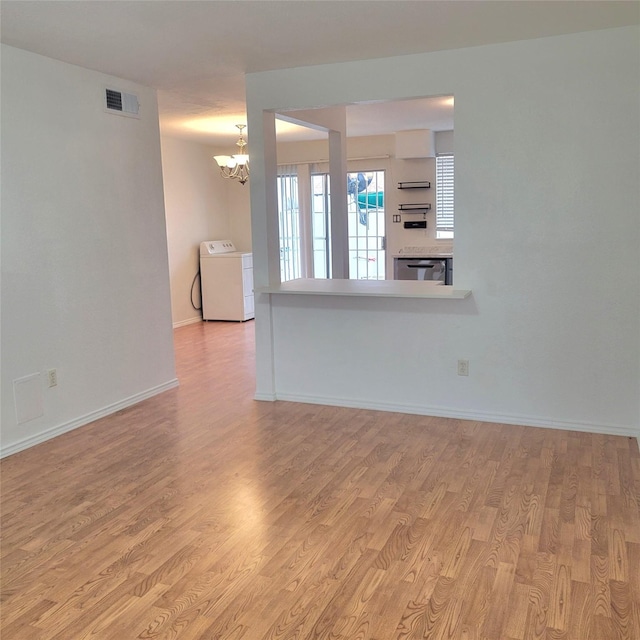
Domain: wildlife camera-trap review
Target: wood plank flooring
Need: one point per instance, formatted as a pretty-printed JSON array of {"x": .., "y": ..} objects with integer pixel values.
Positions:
[{"x": 201, "y": 514}]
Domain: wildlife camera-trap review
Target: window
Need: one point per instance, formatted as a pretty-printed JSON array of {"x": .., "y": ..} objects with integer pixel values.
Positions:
[{"x": 444, "y": 196}]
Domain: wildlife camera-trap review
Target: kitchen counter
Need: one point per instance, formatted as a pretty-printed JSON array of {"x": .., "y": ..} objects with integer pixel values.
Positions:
[
  {"x": 444, "y": 251},
  {"x": 370, "y": 288},
  {"x": 431, "y": 254}
]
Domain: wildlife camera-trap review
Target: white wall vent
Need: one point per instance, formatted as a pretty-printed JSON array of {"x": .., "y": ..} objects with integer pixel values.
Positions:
[{"x": 124, "y": 104}]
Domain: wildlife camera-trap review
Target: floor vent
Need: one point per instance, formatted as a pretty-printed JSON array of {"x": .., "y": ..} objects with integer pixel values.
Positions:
[{"x": 124, "y": 104}]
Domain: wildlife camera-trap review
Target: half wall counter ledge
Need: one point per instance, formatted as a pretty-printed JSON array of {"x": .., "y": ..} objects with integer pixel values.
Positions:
[{"x": 370, "y": 288}]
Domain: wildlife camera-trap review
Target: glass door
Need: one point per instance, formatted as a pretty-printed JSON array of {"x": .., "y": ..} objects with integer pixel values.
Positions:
[
  {"x": 289, "y": 223},
  {"x": 321, "y": 225},
  {"x": 366, "y": 225}
]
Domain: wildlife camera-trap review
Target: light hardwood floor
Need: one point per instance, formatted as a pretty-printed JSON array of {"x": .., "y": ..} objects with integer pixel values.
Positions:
[{"x": 202, "y": 514}]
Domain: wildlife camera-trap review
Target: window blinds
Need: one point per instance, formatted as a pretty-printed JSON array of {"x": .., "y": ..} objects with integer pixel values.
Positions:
[{"x": 444, "y": 196}]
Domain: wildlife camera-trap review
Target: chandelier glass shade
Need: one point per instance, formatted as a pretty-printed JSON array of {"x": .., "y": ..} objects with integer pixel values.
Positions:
[{"x": 236, "y": 167}]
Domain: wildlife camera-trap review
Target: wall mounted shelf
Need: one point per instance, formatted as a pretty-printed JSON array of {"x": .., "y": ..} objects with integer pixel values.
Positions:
[
  {"x": 421, "y": 207},
  {"x": 423, "y": 184}
]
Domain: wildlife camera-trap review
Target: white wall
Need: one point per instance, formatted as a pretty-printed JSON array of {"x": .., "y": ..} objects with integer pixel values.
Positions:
[
  {"x": 84, "y": 255},
  {"x": 196, "y": 208},
  {"x": 547, "y": 237},
  {"x": 200, "y": 205},
  {"x": 239, "y": 213}
]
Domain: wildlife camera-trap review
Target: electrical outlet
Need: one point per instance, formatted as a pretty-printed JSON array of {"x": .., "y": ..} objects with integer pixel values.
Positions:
[
  {"x": 463, "y": 367},
  {"x": 52, "y": 376}
]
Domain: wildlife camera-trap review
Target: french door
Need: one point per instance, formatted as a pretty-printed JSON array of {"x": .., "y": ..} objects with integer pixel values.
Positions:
[
  {"x": 321, "y": 224},
  {"x": 366, "y": 225},
  {"x": 289, "y": 226},
  {"x": 366, "y": 220}
]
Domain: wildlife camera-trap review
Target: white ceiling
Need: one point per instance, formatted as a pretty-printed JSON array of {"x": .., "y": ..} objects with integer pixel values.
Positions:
[{"x": 195, "y": 53}]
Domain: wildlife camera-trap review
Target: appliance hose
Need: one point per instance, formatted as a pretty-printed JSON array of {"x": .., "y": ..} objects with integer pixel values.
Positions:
[{"x": 192, "y": 285}]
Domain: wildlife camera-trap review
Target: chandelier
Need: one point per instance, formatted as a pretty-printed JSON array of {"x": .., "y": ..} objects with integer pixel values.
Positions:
[{"x": 235, "y": 167}]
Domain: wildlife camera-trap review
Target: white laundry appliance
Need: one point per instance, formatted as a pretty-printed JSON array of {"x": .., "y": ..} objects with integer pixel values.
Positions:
[{"x": 226, "y": 278}]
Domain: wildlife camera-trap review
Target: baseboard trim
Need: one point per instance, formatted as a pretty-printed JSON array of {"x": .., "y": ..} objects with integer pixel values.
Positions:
[
  {"x": 184, "y": 323},
  {"x": 447, "y": 412},
  {"x": 268, "y": 397},
  {"x": 53, "y": 432}
]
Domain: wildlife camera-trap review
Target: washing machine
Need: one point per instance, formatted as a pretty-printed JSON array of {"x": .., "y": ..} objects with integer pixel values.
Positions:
[{"x": 226, "y": 278}]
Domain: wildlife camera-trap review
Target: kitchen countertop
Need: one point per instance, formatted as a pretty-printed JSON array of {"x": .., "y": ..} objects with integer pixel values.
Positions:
[
  {"x": 370, "y": 288},
  {"x": 431, "y": 254},
  {"x": 425, "y": 251}
]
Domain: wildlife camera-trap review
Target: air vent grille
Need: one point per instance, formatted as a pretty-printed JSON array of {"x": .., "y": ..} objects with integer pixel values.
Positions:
[
  {"x": 124, "y": 104},
  {"x": 114, "y": 100}
]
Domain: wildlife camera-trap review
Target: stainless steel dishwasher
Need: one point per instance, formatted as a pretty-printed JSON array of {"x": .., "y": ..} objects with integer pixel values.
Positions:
[{"x": 424, "y": 269}]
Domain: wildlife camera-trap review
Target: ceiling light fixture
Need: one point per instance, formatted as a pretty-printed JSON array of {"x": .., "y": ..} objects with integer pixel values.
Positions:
[{"x": 235, "y": 167}]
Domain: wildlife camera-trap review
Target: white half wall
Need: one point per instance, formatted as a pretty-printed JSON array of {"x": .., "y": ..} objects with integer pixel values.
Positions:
[
  {"x": 547, "y": 233},
  {"x": 85, "y": 282}
]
